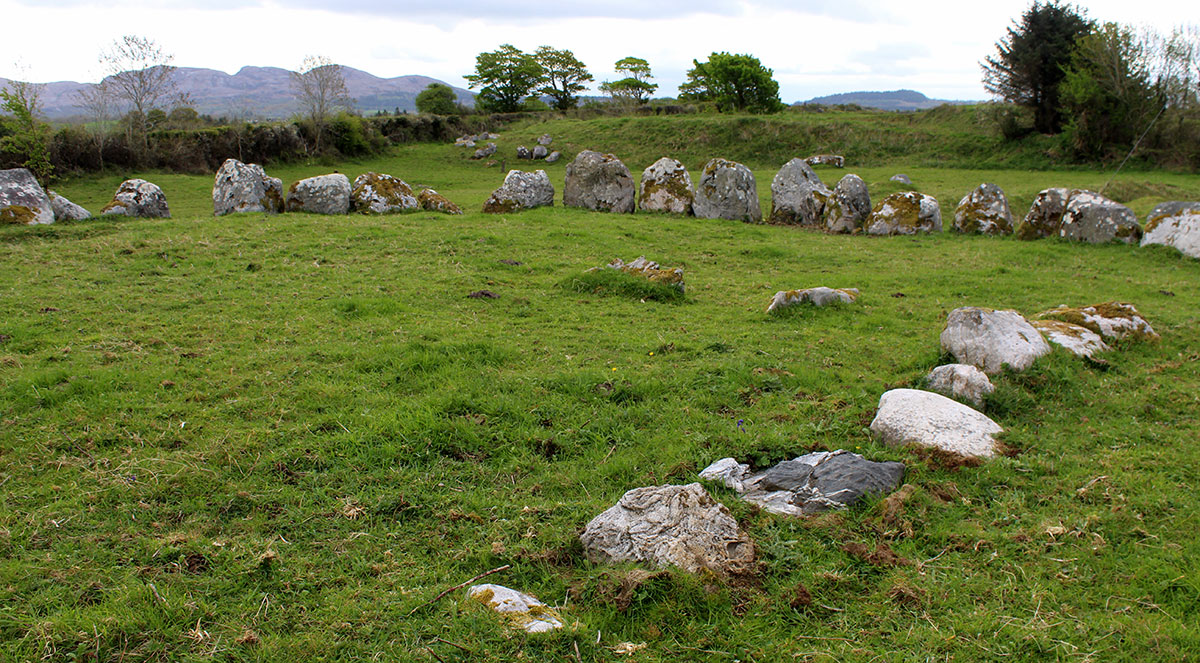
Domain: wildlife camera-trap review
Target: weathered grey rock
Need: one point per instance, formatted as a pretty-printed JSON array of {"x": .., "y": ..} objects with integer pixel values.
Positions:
[
  {"x": 666, "y": 187},
  {"x": 245, "y": 187},
  {"x": 797, "y": 195},
  {"x": 523, "y": 152},
  {"x": 1115, "y": 320},
  {"x": 984, "y": 211},
  {"x": 544, "y": 139},
  {"x": 820, "y": 296},
  {"x": 729, "y": 472},
  {"x": 432, "y": 201},
  {"x": 990, "y": 340},
  {"x": 960, "y": 381},
  {"x": 540, "y": 152},
  {"x": 323, "y": 194},
  {"x": 553, "y": 156},
  {"x": 519, "y": 609},
  {"x": 901, "y": 178},
  {"x": 849, "y": 206},
  {"x": 650, "y": 270},
  {"x": 1092, "y": 218},
  {"x": 1079, "y": 341},
  {"x": 599, "y": 182},
  {"x": 22, "y": 199},
  {"x": 834, "y": 160},
  {"x": 485, "y": 151},
  {"x": 680, "y": 526},
  {"x": 727, "y": 190},
  {"x": 926, "y": 419},
  {"x": 65, "y": 210},
  {"x": 521, "y": 190},
  {"x": 905, "y": 213},
  {"x": 1045, "y": 215},
  {"x": 377, "y": 193},
  {"x": 462, "y": 141},
  {"x": 1175, "y": 224},
  {"x": 138, "y": 198}
]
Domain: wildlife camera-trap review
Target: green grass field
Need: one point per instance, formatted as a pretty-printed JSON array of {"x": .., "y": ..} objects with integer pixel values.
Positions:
[{"x": 257, "y": 438}]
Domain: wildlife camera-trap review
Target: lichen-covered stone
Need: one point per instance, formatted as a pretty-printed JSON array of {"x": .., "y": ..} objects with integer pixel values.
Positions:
[
  {"x": 598, "y": 182},
  {"x": 797, "y": 195},
  {"x": 485, "y": 151},
  {"x": 901, "y": 178},
  {"x": 323, "y": 194},
  {"x": 377, "y": 193},
  {"x": 650, "y": 270},
  {"x": 1079, "y": 341},
  {"x": 727, "y": 190},
  {"x": 1045, "y": 215},
  {"x": 905, "y": 213},
  {"x": 523, "y": 152},
  {"x": 820, "y": 296},
  {"x": 666, "y": 187},
  {"x": 138, "y": 198},
  {"x": 521, "y": 190},
  {"x": 984, "y": 211},
  {"x": 1174, "y": 224},
  {"x": 245, "y": 187},
  {"x": 544, "y": 140},
  {"x": 65, "y": 210},
  {"x": 432, "y": 201},
  {"x": 926, "y": 419},
  {"x": 810, "y": 483},
  {"x": 837, "y": 161},
  {"x": 848, "y": 208},
  {"x": 540, "y": 152},
  {"x": 1092, "y": 218},
  {"x": 22, "y": 199},
  {"x": 1115, "y": 320},
  {"x": 991, "y": 340},
  {"x": 519, "y": 609},
  {"x": 960, "y": 381}
]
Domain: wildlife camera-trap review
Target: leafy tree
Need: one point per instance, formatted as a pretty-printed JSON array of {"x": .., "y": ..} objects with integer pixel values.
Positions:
[
  {"x": 1107, "y": 92},
  {"x": 734, "y": 82},
  {"x": 564, "y": 76},
  {"x": 26, "y": 135},
  {"x": 636, "y": 87},
  {"x": 320, "y": 87},
  {"x": 438, "y": 99},
  {"x": 1030, "y": 61},
  {"x": 505, "y": 77},
  {"x": 139, "y": 73}
]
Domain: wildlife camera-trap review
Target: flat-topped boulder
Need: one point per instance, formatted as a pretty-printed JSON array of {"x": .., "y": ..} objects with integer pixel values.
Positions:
[
  {"x": 1113, "y": 320},
  {"x": 1079, "y": 341},
  {"x": 962, "y": 382},
  {"x": 65, "y": 210},
  {"x": 835, "y": 160},
  {"x": 727, "y": 190},
  {"x": 521, "y": 190},
  {"x": 22, "y": 199},
  {"x": 848, "y": 207},
  {"x": 323, "y": 194},
  {"x": 797, "y": 195},
  {"x": 138, "y": 198},
  {"x": 984, "y": 211},
  {"x": 1174, "y": 224},
  {"x": 650, "y": 270},
  {"x": 380, "y": 193},
  {"x": 1045, "y": 215},
  {"x": 925, "y": 419},
  {"x": 432, "y": 201},
  {"x": 598, "y": 182},
  {"x": 991, "y": 340},
  {"x": 245, "y": 187},
  {"x": 905, "y": 213},
  {"x": 544, "y": 140},
  {"x": 666, "y": 187},
  {"x": 819, "y": 296},
  {"x": 1092, "y": 218},
  {"x": 519, "y": 609}
]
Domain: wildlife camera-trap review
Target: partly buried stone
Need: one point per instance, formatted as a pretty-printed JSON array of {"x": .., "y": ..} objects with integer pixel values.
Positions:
[
  {"x": 245, "y": 187},
  {"x": 523, "y": 152},
  {"x": 960, "y": 381},
  {"x": 553, "y": 156},
  {"x": 1079, "y": 341},
  {"x": 901, "y": 178},
  {"x": 798, "y": 195},
  {"x": 849, "y": 205},
  {"x": 1092, "y": 218},
  {"x": 540, "y": 152},
  {"x": 991, "y": 340},
  {"x": 926, "y": 419},
  {"x": 598, "y": 182},
  {"x": 727, "y": 190},
  {"x": 517, "y": 608},
  {"x": 666, "y": 187},
  {"x": 1045, "y": 215},
  {"x": 544, "y": 140},
  {"x": 138, "y": 198},
  {"x": 905, "y": 213},
  {"x": 835, "y": 160},
  {"x": 1113, "y": 320},
  {"x": 22, "y": 199},
  {"x": 432, "y": 201},
  {"x": 485, "y": 151},
  {"x": 377, "y": 193},
  {"x": 65, "y": 210},
  {"x": 820, "y": 296},
  {"x": 521, "y": 190},
  {"x": 1175, "y": 224},
  {"x": 680, "y": 526},
  {"x": 984, "y": 211},
  {"x": 650, "y": 270},
  {"x": 323, "y": 194}
]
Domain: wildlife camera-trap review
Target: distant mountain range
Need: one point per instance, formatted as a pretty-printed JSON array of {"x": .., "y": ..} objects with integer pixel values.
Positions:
[
  {"x": 259, "y": 92},
  {"x": 894, "y": 100}
]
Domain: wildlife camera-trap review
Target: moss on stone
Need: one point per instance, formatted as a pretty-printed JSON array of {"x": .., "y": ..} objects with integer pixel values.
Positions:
[
  {"x": 17, "y": 215},
  {"x": 500, "y": 205}
]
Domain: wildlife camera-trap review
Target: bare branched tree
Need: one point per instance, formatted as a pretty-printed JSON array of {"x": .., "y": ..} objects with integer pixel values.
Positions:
[
  {"x": 320, "y": 87},
  {"x": 97, "y": 104},
  {"x": 140, "y": 74}
]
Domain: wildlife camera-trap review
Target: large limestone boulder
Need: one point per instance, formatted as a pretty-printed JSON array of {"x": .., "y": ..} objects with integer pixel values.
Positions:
[
  {"x": 377, "y": 193},
  {"x": 245, "y": 187},
  {"x": 666, "y": 187},
  {"x": 519, "y": 609},
  {"x": 984, "y": 211},
  {"x": 680, "y": 526},
  {"x": 323, "y": 194},
  {"x": 926, "y": 419},
  {"x": 1175, "y": 224},
  {"x": 819, "y": 296},
  {"x": 1092, "y": 218},
  {"x": 905, "y": 213},
  {"x": 138, "y": 198},
  {"x": 432, "y": 201},
  {"x": 22, "y": 199},
  {"x": 1079, "y": 341},
  {"x": 1114, "y": 320},
  {"x": 727, "y": 190},
  {"x": 65, "y": 210},
  {"x": 960, "y": 381},
  {"x": 797, "y": 195},
  {"x": 540, "y": 152},
  {"x": 849, "y": 206},
  {"x": 990, "y": 340},
  {"x": 1045, "y": 215},
  {"x": 598, "y": 182},
  {"x": 521, "y": 190}
]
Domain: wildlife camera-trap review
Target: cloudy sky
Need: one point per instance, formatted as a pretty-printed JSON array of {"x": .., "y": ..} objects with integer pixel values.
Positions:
[{"x": 815, "y": 48}]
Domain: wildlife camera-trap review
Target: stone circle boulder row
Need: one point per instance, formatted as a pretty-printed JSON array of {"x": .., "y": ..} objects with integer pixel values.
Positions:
[
  {"x": 1174, "y": 224},
  {"x": 991, "y": 340},
  {"x": 521, "y": 190},
  {"x": 432, "y": 201},
  {"x": 485, "y": 151},
  {"x": 926, "y": 419},
  {"x": 1113, "y": 320},
  {"x": 22, "y": 199},
  {"x": 65, "y": 210},
  {"x": 848, "y": 207},
  {"x": 138, "y": 198},
  {"x": 519, "y": 609},
  {"x": 666, "y": 187},
  {"x": 960, "y": 381},
  {"x": 1045, "y": 215},
  {"x": 599, "y": 182},
  {"x": 553, "y": 156},
  {"x": 540, "y": 152},
  {"x": 1092, "y": 218},
  {"x": 905, "y": 213},
  {"x": 245, "y": 187},
  {"x": 819, "y": 296},
  {"x": 1079, "y": 341},
  {"x": 378, "y": 193},
  {"x": 681, "y": 526},
  {"x": 323, "y": 194},
  {"x": 727, "y": 190},
  {"x": 544, "y": 140},
  {"x": 984, "y": 211},
  {"x": 835, "y": 160},
  {"x": 797, "y": 195},
  {"x": 523, "y": 152}
]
